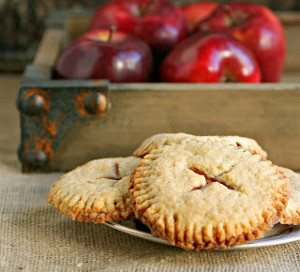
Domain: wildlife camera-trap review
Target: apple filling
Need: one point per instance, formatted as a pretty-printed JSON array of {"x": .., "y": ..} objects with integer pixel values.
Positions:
[{"x": 209, "y": 180}]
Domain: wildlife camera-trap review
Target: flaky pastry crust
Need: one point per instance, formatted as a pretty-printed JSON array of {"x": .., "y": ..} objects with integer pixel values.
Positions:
[
  {"x": 207, "y": 195},
  {"x": 96, "y": 191}
]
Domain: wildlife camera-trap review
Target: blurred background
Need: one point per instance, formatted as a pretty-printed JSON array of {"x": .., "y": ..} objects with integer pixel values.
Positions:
[{"x": 22, "y": 23}]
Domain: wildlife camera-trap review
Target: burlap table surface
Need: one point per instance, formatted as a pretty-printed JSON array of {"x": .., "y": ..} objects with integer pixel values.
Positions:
[{"x": 35, "y": 237}]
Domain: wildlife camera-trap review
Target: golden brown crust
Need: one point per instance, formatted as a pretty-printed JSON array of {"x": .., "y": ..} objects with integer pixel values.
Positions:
[
  {"x": 234, "y": 196},
  {"x": 291, "y": 215},
  {"x": 95, "y": 217},
  {"x": 96, "y": 191},
  {"x": 159, "y": 140}
]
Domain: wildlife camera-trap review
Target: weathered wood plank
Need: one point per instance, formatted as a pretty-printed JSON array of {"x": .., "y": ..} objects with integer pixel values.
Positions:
[
  {"x": 271, "y": 116},
  {"x": 292, "y": 62},
  {"x": 289, "y": 17},
  {"x": 49, "y": 48},
  {"x": 291, "y": 77},
  {"x": 74, "y": 27}
]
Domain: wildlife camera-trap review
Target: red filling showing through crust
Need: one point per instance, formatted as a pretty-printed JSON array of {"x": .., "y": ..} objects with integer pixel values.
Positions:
[{"x": 208, "y": 179}]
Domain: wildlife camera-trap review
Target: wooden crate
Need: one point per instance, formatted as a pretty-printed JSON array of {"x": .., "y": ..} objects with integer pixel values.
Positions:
[{"x": 67, "y": 122}]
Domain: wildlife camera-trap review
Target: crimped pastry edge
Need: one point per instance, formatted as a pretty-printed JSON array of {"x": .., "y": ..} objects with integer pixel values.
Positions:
[
  {"x": 290, "y": 218},
  {"x": 95, "y": 217},
  {"x": 247, "y": 236},
  {"x": 57, "y": 198}
]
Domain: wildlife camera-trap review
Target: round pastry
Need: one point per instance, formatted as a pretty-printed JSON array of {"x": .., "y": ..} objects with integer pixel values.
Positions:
[
  {"x": 96, "y": 191},
  {"x": 206, "y": 195}
]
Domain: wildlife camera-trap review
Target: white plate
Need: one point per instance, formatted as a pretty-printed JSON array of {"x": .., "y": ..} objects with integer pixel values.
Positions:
[{"x": 280, "y": 234}]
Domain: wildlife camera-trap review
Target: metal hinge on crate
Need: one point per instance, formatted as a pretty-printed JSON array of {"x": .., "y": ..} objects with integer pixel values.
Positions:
[{"x": 48, "y": 111}]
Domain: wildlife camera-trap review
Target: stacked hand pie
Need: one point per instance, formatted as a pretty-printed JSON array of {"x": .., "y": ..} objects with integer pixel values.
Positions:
[{"x": 196, "y": 192}]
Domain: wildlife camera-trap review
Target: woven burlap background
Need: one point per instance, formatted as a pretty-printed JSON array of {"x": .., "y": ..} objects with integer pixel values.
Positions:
[{"x": 35, "y": 237}]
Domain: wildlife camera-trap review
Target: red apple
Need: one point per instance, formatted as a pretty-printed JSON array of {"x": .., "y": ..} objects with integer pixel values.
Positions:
[
  {"x": 158, "y": 22},
  {"x": 210, "y": 57},
  {"x": 102, "y": 54},
  {"x": 196, "y": 12},
  {"x": 258, "y": 28}
]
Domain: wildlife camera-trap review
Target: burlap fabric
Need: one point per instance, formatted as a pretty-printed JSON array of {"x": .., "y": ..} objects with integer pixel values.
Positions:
[{"x": 35, "y": 237}]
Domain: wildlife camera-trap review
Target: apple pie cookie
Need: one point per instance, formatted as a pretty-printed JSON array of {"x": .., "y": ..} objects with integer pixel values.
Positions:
[
  {"x": 291, "y": 215},
  {"x": 96, "y": 191},
  {"x": 206, "y": 195},
  {"x": 160, "y": 140}
]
